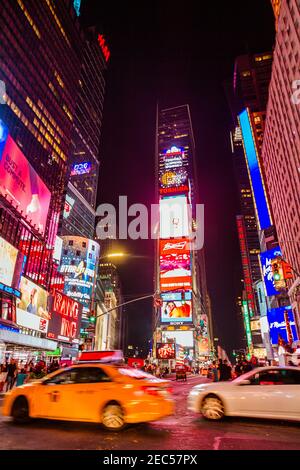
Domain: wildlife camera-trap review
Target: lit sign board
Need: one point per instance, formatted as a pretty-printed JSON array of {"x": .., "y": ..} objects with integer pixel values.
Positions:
[
  {"x": 104, "y": 47},
  {"x": 266, "y": 266},
  {"x": 175, "y": 217},
  {"x": 172, "y": 296},
  {"x": 34, "y": 299},
  {"x": 64, "y": 324},
  {"x": 22, "y": 186},
  {"x": 258, "y": 190},
  {"x": 77, "y": 4},
  {"x": 173, "y": 171},
  {"x": 175, "y": 264},
  {"x": 81, "y": 168},
  {"x": 246, "y": 264},
  {"x": 281, "y": 320},
  {"x": 176, "y": 312},
  {"x": 182, "y": 338},
  {"x": 166, "y": 351},
  {"x": 8, "y": 259},
  {"x": 247, "y": 323},
  {"x": 69, "y": 203},
  {"x": 79, "y": 266},
  {"x": 10, "y": 290}
]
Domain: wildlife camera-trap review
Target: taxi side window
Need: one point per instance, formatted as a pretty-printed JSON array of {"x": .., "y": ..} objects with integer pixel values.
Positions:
[
  {"x": 88, "y": 375},
  {"x": 270, "y": 377},
  {"x": 66, "y": 377},
  {"x": 290, "y": 377}
]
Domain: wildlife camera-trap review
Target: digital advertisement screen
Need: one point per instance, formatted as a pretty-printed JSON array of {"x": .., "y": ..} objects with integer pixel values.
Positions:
[
  {"x": 175, "y": 217},
  {"x": 182, "y": 338},
  {"x": 65, "y": 318},
  {"x": 280, "y": 319},
  {"x": 169, "y": 296},
  {"x": 175, "y": 264},
  {"x": 257, "y": 185},
  {"x": 22, "y": 186},
  {"x": 166, "y": 351},
  {"x": 34, "y": 299},
  {"x": 81, "y": 168},
  {"x": 79, "y": 266},
  {"x": 176, "y": 312},
  {"x": 8, "y": 259},
  {"x": 266, "y": 266}
]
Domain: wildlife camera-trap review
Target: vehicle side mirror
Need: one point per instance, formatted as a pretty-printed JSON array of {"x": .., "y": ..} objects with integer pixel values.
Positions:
[{"x": 244, "y": 382}]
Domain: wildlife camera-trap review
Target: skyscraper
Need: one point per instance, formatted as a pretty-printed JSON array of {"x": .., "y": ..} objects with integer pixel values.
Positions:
[
  {"x": 180, "y": 269},
  {"x": 280, "y": 153}
]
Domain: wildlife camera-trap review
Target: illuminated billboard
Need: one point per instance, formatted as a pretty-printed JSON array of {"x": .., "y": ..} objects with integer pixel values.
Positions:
[
  {"x": 175, "y": 217},
  {"x": 282, "y": 324},
  {"x": 65, "y": 318},
  {"x": 22, "y": 187},
  {"x": 8, "y": 259},
  {"x": 175, "y": 264},
  {"x": 81, "y": 168},
  {"x": 79, "y": 266},
  {"x": 173, "y": 171},
  {"x": 34, "y": 299},
  {"x": 183, "y": 338},
  {"x": 267, "y": 272},
  {"x": 176, "y": 312},
  {"x": 255, "y": 175},
  {"x": 171, "y": 296},
  {"x": 166, "y": 351},
  {"x": 69, "y": 203}
]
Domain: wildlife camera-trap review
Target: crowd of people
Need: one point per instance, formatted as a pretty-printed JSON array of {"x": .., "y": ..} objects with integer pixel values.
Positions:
[
  {"x": 15, "y": 373},
  {"x": 223, "y": 371}
]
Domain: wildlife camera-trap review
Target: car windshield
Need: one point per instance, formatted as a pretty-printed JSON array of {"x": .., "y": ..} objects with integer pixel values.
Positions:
[
  {"x": 245, "y": 376},
  {"x": 137, "y": 374}
]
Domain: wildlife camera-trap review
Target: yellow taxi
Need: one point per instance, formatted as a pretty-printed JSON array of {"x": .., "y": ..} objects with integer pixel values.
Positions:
[{"x": 109, "y": 394}]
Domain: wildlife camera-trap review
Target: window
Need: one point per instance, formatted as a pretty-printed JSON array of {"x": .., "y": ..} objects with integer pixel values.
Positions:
[
  {"x": 83, "y": 244},
  {"x": 70, "y": 242},
  {"x": 267, "y": 377},
  {"x": 64, "y": 378},
  {"x": 65, "y": 252},
  {"x": 78, "y": 252},
  {"x": 86, "y": 375},
  {"x": 290, "y": 377},
  {"x": 93, "y": 247}
]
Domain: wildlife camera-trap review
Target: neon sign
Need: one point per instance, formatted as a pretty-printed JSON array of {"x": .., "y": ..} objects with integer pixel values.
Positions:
[
  {"x": 81, "y": 168},
  {"x": 104, "y": 47}
]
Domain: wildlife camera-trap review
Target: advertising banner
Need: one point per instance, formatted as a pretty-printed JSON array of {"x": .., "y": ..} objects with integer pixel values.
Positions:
[
  {"x": 173, "y": 171},
  {"x": 166, "y": 351},
  {"x": 175, "y": 217},
  {"x": 266, "y": 266},
  {"x": 79, "y": 266},
  {"x": 175, "y": 264},
  {"x": 8, "y": 259},
  {"x": 22, "y": 186},
  {"x": 81, "y": 168},
  {"x": 65, "y": 318},
  {"x": 281, "y": 321},
  {"x": 176, "y": 312},
  {"x": 34, "y": 299}
]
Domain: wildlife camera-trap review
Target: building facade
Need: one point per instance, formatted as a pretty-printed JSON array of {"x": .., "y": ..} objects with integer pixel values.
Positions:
[
  {"x": 180, "y": 278},
  {"x": 280, "y": 153}
]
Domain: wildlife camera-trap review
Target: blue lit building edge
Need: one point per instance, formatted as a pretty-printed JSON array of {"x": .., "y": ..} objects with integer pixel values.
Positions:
[{"x": 258, "y": 189}]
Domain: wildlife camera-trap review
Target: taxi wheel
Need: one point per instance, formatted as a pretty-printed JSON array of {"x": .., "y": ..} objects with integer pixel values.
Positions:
[
  {"x": 113, "y": 417},
  {"x": 20, "y": 411},
  {"x": 212, "y": 408}
]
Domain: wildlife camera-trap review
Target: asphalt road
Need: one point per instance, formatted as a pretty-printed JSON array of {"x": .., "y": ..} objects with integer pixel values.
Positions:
[{"x": 183, "y": 431}]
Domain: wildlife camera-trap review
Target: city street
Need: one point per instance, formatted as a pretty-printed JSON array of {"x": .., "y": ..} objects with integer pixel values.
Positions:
[{"x": 182, "y": 431}]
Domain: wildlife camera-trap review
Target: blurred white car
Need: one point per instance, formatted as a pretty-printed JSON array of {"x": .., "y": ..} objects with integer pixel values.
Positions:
[{"x": 265, "y": 392}]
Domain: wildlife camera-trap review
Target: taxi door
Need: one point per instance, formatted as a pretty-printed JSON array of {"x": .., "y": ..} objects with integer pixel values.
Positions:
[{"x": 82, "y": 396}]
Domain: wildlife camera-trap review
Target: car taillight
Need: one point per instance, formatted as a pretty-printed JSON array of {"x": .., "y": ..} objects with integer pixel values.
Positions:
[
  {"x": 170, "y": 390},
  {"x": 151, "y": 390}
]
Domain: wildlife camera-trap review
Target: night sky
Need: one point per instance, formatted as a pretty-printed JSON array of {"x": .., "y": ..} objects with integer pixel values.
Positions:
[{"x": 163, "y": 53}]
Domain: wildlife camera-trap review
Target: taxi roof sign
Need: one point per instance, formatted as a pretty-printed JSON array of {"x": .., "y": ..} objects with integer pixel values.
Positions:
[{"x": 101, "y": 356}]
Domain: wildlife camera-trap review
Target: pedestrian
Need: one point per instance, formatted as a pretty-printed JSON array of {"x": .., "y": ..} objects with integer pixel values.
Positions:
[
  {"x": 238, "y": 368},
  {"x": 246, "y": 366},
  {"x": 224, "y": 370},
  {"x": 3, "y": 374},
  {"x": 21, "y": 377},
  {"x": 11, "y": 374},
  {"x": 214, "y": 372}
]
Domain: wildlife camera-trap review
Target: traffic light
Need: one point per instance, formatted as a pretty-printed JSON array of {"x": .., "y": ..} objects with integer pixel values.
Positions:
[
  {"x": 277, "y": 270},
  {"x": 92, "y": 319}
]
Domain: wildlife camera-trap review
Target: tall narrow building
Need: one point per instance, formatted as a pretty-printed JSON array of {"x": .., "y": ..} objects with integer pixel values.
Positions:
[
  {"x": 182, "y": 319},
  {"x": 280, "y": 153}
]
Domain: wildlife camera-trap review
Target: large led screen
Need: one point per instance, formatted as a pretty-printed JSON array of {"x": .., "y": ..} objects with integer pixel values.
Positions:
[
  {"x": 280, "y": 319},
  {"x": 266, "y": 266},
  {"x": 65, "y": 318},
  {"x": 182, "y": 338},
  {"x": 175, "y": 264},
  {"x": 257, "y": 184},
  {"x": 176, "y": 312},
  {"x": 175, "y": 217},
  {"x": 22, "y": 186},
  {"x": 8, "y": 259},
  {"x": 166, "y": 351},
  {"x": 79, "y": 266},
  {"x": 34, "y": 299}
]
